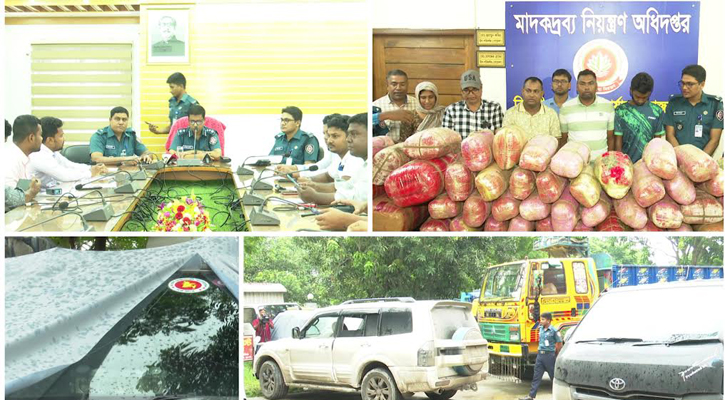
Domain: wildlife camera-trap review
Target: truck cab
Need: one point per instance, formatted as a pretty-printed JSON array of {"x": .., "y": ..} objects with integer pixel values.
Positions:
[{"x": 513, "y": 296}]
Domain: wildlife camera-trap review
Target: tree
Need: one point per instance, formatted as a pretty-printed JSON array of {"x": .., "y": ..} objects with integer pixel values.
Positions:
[
  {"x": 699, "y": 250},
  {"x": 623, "y": 249}
]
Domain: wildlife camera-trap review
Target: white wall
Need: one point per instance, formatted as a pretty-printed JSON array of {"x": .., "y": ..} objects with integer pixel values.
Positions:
[
  {"x": 490, "y": 14},
  {"x": 18, "y": 41}
]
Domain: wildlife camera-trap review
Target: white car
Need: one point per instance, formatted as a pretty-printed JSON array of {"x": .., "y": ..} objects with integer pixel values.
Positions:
[{"x": 383, "y": 348}]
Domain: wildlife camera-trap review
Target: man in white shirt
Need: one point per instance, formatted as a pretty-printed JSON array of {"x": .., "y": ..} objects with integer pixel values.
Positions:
[
  {"x": 26, "y": 140},
  {"x": 50, "y": 166},
  {"x": 357, "y": 144},
  {"x": 334, "y": 183}
]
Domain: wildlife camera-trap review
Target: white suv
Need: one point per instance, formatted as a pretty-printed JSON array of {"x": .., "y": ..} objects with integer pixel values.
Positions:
[{"x": 380, "y": 347}]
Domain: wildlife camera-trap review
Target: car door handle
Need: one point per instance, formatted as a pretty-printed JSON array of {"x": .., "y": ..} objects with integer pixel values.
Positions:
[
  {"x": 324, "y": 346},
  {"x": 365, "y": 345}
]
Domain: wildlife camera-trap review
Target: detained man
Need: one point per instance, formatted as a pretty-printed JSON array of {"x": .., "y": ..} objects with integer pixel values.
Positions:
[
  {"x": 27, "y": 139},
  {"x": 197, "y": 140},
  {"x": 560, "y": 86},
  {"x": 117, "y": 143},
  {"x": 333, "y": 184},
  {"x": 533, "y": 117},
  {"x": 357, "y": 145},
  {"x": 397, "y": 107},
  {"x": 50, "y": 166},
  {"x": 638, "y": 121}
]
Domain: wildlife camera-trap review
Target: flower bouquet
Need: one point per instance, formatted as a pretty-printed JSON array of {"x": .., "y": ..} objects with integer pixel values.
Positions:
[{"x": 184, "y": 215}]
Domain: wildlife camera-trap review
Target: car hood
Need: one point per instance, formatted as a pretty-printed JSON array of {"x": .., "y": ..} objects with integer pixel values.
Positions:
[{"x": 654, "y": 369}]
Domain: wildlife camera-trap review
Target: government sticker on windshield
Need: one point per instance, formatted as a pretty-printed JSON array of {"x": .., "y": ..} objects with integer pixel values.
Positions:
[{"x": 188, "y": 285}]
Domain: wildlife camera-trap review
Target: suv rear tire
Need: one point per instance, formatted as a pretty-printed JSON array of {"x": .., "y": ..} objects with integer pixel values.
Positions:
[
  {"x": 444, "y": 395},
  {"x": 378, "y": 384},
  {"x": 271, "y": 381}
]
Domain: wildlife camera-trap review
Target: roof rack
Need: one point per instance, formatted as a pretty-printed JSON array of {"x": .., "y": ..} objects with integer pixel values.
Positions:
[{"x": 381, "y": 299}]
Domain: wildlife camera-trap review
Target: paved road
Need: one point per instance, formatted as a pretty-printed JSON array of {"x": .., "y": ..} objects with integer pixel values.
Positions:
[{"x": 490, "y": 389}]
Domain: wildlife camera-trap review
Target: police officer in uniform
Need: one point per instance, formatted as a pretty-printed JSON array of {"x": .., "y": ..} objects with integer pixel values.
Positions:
[
  {"x": 549, "y": 346},
  {"x": 694, "y": 117},
  {"x": 179, "y": 102},
  {"x": 118, "y": 143},
  {"x": 197, "y": 140},
  {"x": 297, "y": 146}
]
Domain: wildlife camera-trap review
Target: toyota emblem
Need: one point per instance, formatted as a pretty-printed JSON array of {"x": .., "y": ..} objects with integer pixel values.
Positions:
[{"x": 617, "y": 384}]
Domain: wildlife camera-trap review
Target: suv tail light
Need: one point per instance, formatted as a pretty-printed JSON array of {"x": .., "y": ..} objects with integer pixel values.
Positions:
[{"x": 426, "y": 355}]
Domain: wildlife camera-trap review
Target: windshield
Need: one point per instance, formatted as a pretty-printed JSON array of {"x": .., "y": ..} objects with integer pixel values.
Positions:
[
  {"x": 173, "y": 343},
  {"x": 655, "y": 315},
  {"x": 275, "y": 309},
  {"x": 285, "y": 322},
  {"x": 503, "y": 281}
]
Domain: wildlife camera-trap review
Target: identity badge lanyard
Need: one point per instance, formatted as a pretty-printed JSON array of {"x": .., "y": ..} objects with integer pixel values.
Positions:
[{"x": 698, "y": 127}]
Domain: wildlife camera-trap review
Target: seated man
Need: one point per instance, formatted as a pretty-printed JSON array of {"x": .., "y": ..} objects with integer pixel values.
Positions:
[
  {"x": 333, "y": 184},
  {"x": 321, "y": 164},
  {"x": 197, "y": 140},
  {"x": 14, "y": 196},
  {"x": 296, "y": 146},
  {"x": 117, "y": 143},
  {"x": 50, "y": 166},
  {"x": 357, "y": 144}
]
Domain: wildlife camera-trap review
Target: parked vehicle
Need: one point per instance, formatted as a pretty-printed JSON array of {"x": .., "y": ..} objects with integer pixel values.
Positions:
[
  {"x": 660, "y": 341},
  {"x": 286, "y": 321},
  {"x": 382, "y": 348},
  {"x": 513, "y": 296}
]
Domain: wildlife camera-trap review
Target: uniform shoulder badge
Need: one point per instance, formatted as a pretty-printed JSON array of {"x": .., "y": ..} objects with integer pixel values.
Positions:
[
  {"x": 309, "y": 149},
  {"x": 719, "y": 115},
  {"x": 213, "y": 139}
]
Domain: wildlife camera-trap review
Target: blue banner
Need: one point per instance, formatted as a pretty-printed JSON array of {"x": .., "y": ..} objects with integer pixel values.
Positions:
[{"x": 616, "y": 40}]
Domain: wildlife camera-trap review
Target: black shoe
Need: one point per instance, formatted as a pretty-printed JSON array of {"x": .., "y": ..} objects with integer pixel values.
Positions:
[{"x": 527, "y": 398}]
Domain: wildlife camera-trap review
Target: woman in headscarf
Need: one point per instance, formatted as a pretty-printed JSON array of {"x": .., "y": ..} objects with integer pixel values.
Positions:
[{"x": 429, "y": 114}]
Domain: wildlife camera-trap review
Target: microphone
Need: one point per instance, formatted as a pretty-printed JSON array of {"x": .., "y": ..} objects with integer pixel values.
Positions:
[
  {"x": 260, "y": 163},
  {"x": 86, "y": 227},
  {"x": 250, "y": 199},
  {"x": 102, "y": 213},
  {"x": 81, "y": 186},
  {"x": 158, "y": 164}
]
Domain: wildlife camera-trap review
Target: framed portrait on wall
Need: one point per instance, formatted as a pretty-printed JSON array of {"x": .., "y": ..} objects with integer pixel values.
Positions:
[{"x": 168, "y": 36}]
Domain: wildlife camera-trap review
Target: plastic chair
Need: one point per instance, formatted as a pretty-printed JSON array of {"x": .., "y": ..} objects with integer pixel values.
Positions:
[
  {"x": 183, "y": 122},
  {"x": 78, "y": 153}
]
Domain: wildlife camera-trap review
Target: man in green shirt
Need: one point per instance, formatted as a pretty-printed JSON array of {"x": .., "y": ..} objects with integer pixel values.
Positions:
[
  {"x": 694, "y": 117},
  {"x": 637, "y": 121},
  {"x": 179, "y": 102},
  {"x": 117, "y": 143},
  {"x": 197, "y": 140},
  {"x": 293, "y": 143}
]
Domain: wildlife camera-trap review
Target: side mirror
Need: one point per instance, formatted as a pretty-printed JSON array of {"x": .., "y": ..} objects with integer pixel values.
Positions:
[{"x": 295, "y": 333}]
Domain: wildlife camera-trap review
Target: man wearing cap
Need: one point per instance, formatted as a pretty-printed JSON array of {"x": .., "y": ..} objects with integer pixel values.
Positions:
[
  {"x": 396, "y": 107},
  {"x": 694, "y": 117},
  {"x": 473, "y": 113},
  {"x": 549, "y": 346}
]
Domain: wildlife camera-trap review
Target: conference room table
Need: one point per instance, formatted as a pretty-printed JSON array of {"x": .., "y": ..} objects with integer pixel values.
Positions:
[{"x": 44, "y": 214}]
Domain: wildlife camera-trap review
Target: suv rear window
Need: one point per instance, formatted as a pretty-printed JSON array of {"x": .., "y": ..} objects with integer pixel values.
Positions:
[
  {"x": 447, "y": 319},
  {"x": 396, "y": 322}
]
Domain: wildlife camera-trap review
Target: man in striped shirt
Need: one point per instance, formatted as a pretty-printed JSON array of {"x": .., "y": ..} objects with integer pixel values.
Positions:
[
  {"x": 588, "y": 118},
  {"x": 397, "y": 100}
]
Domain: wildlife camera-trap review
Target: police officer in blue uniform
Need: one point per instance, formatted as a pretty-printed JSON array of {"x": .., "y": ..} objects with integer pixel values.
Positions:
[
  {"x": 694, "y": 117},
  {"x": 297, "y": 145},
  {"x": 179, "y": 102},
  {"x": 197, "y": 140},
  {"x": 118, "y": 143},
  {"x": 549, "y": 346}
]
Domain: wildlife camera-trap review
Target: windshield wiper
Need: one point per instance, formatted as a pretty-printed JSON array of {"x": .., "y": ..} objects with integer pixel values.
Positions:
[
  {"x": 681, "y": 341},
  {"x": 611, "y": 340}
]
